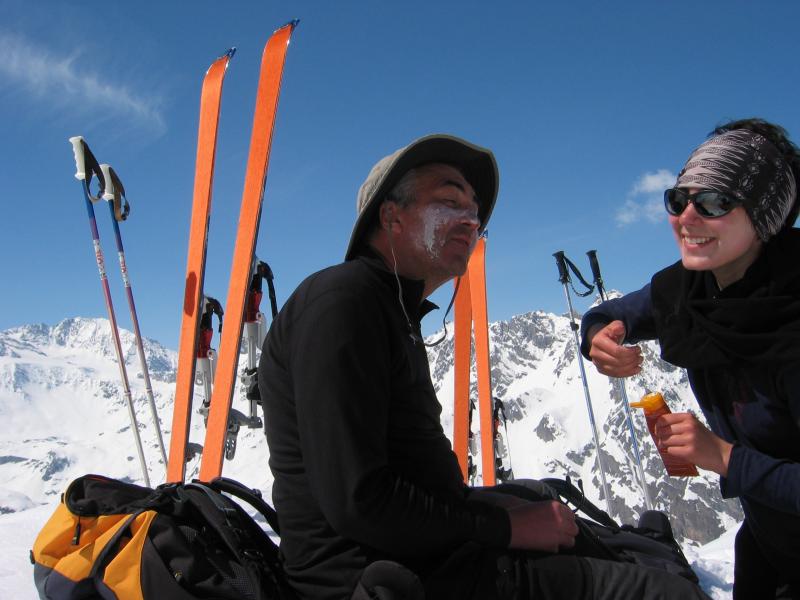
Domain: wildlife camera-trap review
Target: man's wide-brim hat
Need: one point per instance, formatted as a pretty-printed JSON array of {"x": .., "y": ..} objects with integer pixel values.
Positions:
[{"x": 477, "y": 164}]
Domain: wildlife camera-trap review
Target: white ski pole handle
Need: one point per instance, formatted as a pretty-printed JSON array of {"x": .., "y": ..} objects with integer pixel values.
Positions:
[
  {"x": 115, "y": 192},
  {"x": 85, "y": 162}
]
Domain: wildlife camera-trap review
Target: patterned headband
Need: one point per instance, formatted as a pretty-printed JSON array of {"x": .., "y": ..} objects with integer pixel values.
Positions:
[{"x": 749, "y": 167}]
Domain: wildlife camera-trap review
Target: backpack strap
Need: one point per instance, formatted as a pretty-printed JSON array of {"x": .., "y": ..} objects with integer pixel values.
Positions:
[
  {"x": 573, "y": 495},
  {"x": 246, "y": 540},
  {"x": 252, "y": 496}
]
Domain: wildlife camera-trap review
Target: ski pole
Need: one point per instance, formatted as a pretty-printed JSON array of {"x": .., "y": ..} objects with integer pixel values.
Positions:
[
  {"x": 563, "y": 276},
  {"x": 83, "y": 159},
  {"x": 620, "y": 385},
  {"x": 118, "y": 205}
]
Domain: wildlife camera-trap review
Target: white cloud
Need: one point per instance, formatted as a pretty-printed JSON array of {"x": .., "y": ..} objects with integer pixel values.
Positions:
[
  {"x": 38, "y": 72},
  {"x": 645, "y": 199},
  {"x": 656, "y": 182}
]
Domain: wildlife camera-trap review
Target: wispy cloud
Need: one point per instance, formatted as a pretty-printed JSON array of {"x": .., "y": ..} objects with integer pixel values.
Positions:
[
  {"x": 40, "y": 73},
  {"x": 645, "y": 199}
]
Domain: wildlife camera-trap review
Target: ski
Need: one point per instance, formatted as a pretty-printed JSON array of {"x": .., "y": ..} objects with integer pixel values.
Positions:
[
  {"x": 210, "y": 100},
  {"x": 462, "y": 354},
  {"x": 471, "y": 318},
  {"x": 269, "y": 84},
  {"x": 114, "y": 194},
  {"x": 480, "y": 321},
  {"x": 86, "y": 165}
]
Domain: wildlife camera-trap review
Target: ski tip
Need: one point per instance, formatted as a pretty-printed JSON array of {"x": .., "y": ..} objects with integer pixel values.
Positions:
[
  {"x": 293, "y": 23},
  {"x": 230, "y": 52}
]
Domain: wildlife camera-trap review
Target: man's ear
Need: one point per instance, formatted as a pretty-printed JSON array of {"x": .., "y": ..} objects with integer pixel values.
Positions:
[{"x": 387, "y": 215}]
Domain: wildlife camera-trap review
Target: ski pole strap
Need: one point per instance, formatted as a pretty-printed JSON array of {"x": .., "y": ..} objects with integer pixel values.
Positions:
[
  {"x": 564, "y": 266},
  {"x": 86, "y": 164},
  {"x": 598, "y": 279},
  {"x": 211, "y": 307},
  {"x": 113, "y": 191},
  {"x": 265, "y": 272},
  {"x": 261, "y": 271},
  {"x": 273, "y": 301}
]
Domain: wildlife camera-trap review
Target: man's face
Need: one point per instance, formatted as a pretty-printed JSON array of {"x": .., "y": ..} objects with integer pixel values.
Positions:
[{"x": 437, "y": 232}]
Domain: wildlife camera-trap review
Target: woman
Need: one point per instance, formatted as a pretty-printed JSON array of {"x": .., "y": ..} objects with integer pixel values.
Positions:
[{"x": 729, "y": 312}]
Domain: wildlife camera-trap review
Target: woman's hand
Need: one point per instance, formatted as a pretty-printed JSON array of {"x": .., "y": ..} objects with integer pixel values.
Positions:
[
  {"x": 609, "y": 355},
  {"x": 682, "y": 435}
]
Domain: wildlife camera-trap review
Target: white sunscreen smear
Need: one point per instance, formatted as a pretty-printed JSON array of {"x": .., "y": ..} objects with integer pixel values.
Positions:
[{"x": 435, "y": 216}]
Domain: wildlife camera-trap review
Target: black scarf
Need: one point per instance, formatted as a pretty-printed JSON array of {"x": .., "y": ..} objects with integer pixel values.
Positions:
[{"x": 755, "y": 320}]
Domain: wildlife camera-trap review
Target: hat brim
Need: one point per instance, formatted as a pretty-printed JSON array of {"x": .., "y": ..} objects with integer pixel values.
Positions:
[{"x": 477, "y": 164}]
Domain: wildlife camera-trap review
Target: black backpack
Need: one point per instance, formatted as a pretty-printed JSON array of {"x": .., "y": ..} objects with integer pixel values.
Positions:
[
  {"x": 651, "y": 543},
  {"x": 109, "y": 538}
]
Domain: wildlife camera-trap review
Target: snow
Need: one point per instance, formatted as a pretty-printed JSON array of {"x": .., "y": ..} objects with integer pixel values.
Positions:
[
  {"x": 713, "y": 564},
  {"x": 18, "y": 531}
]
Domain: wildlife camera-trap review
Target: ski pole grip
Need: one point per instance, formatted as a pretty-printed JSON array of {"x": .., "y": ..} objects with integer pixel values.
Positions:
[
  {"x": 113, "y": 184},
  {"x": 592, "y": 254},
  {"x": 563, "y": 276},
  {"x": 85, "y": 162},
  {"x": 115, "y": 192}
]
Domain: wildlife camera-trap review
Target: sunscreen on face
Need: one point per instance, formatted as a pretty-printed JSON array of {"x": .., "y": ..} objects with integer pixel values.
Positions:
[{"x": 654, "y": 407}]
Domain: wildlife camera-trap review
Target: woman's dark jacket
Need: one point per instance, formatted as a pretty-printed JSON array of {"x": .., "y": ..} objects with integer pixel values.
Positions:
[{"x": 741, "y": 349}]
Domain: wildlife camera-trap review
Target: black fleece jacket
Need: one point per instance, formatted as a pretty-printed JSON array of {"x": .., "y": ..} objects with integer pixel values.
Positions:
[{"x": 363, "y": 470}]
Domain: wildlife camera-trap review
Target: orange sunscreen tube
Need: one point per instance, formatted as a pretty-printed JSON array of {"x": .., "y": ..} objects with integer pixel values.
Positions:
[{"x": 654, "y": 406}]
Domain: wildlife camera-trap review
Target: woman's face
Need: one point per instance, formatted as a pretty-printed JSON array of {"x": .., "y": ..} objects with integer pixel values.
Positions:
[{"x": 725, "y": 245}]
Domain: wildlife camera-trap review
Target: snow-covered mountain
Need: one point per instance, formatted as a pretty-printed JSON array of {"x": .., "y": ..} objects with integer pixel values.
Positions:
[{"x": 63, "y": 415}]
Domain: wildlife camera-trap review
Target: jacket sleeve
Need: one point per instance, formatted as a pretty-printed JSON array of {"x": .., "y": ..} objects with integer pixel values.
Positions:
[
  {"x": 774, "y": 482},
  {"x": 633, "y": 309},
  {"x": 341, "y": 372}
]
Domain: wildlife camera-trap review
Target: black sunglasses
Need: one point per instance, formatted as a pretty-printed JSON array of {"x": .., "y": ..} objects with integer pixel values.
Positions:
[{"x": 708, "y": 203}]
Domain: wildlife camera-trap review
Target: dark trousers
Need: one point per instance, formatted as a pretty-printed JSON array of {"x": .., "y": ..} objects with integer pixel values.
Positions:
[
  {"x": 754, "y": 577},
  {"x": 593, "y": 578},
  {"x": 474, "y": 572}
]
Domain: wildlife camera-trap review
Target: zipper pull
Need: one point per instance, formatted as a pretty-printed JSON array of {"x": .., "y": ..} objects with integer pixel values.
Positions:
[{"x": 77, "y": 537}]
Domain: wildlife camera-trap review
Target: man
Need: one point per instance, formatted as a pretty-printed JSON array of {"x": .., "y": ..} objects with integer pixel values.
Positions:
[{"x": 363, "y": 470}]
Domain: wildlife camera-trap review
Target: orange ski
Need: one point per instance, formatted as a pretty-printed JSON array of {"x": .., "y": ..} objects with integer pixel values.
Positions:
[
  {"x": 263, "y": 122},
  {"x": 480, "y": 320},
  {"x": 471, "y": 310},
  {"x": 462, "y": 349},
  {"x": 210, "y": 99}
]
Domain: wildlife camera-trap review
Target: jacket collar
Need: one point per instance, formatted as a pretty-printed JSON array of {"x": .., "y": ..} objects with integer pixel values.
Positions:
[{"x": 415, "y": 304}]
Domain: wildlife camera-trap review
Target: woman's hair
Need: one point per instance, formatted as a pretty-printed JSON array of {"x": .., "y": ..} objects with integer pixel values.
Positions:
[{"x": 780, "y": 139}]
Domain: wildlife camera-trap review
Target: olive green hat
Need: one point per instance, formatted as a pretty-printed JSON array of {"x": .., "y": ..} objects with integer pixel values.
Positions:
[{"x": 477, "y": 164}]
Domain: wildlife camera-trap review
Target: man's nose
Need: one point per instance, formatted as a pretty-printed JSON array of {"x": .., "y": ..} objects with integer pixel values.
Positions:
[{"x": 471, "y": 219}]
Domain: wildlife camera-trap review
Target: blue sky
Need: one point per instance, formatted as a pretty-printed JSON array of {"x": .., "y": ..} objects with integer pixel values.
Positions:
[{"x": 590, "y": 108}]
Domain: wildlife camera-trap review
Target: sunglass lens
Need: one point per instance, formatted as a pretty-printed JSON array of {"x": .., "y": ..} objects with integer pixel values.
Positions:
[
  {"x": 713, "y": 204},
  {"x": 675, "y": 201}
]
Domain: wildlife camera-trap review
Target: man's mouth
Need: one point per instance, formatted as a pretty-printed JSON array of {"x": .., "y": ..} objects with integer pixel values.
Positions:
[{"x": 461, "y": 240}]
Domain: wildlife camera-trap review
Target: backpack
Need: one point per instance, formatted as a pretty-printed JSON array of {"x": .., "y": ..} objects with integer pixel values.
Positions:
[
  {"x": 112, "y": 539},
  {"x": 650, "y": 544}
]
